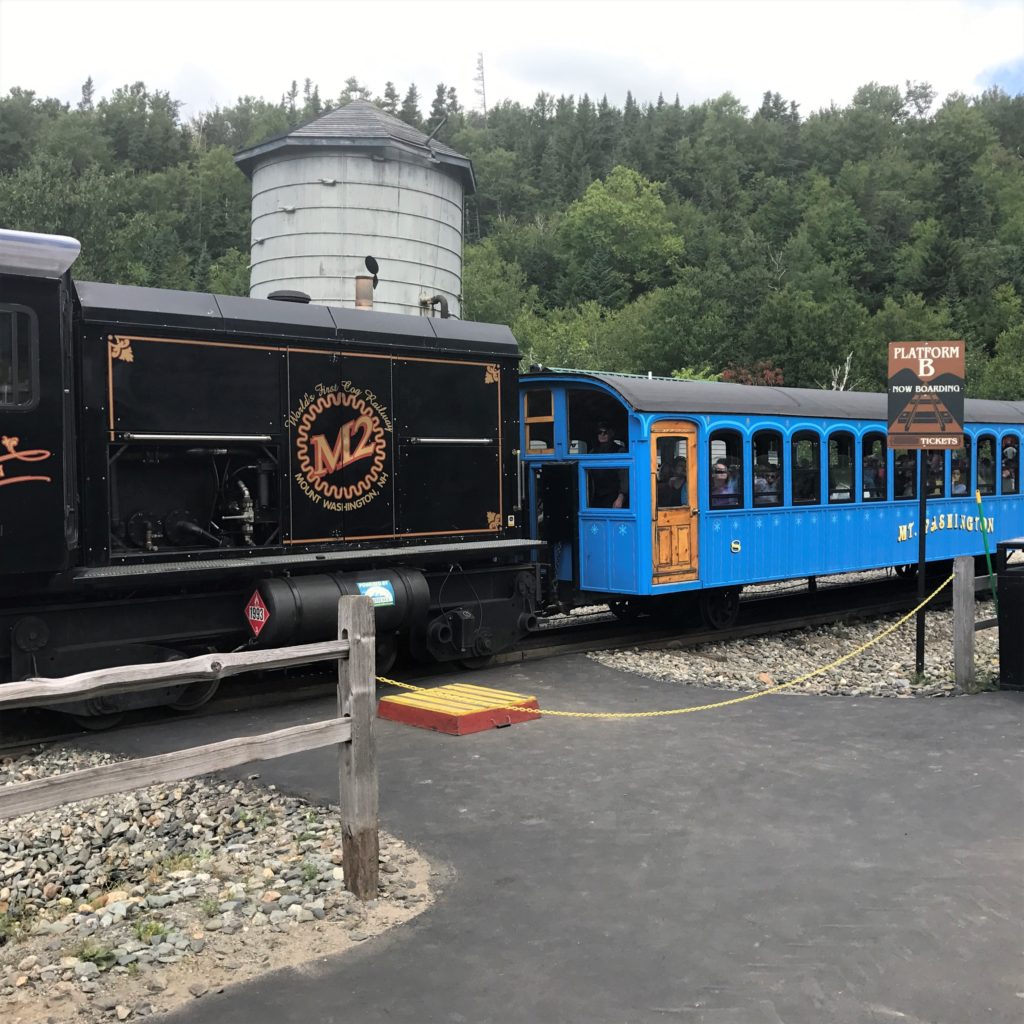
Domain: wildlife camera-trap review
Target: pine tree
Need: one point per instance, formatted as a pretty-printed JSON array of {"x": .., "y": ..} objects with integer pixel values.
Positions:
[
  {"x": 312, "y": 107},
  {"x": 353, "y": 91},
  {"x": 609, "y": 130},
  {"x": 410, "y": 112},
  {"x": 390, "y": 102},
  {"x": 290, "y": 98},
  {"x": 85, "y": 104},
  {"x": 437, "y": 108}
]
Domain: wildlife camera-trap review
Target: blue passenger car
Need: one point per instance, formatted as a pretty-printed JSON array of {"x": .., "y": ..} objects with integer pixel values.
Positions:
[{"x": 703, "y": 487}]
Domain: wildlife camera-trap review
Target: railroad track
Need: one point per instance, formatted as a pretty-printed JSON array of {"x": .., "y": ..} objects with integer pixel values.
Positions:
[{"x": 763, "y": 613}]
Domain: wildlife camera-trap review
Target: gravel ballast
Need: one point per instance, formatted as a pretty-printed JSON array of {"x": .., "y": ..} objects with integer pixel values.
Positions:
[
  {"x": 886, "y": 669},
  {"x": 127, "y": 906}
]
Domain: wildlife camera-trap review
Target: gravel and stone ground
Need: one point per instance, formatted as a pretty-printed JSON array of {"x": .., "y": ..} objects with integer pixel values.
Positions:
[
  {"x": 129, "y": 906},
  {"x": 886, "y": 669}
]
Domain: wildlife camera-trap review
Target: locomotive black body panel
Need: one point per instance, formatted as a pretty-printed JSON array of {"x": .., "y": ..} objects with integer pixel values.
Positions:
[
  {"x": 170, "y": 450},
  {"x": 38, "y": 521}
]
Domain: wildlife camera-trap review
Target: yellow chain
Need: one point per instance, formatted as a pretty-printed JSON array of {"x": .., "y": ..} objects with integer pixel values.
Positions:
[{"x": 718, "y": 704}]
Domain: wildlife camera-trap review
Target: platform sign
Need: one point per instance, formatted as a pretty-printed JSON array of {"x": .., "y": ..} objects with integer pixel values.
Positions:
[{"x": 926, "y": 394}]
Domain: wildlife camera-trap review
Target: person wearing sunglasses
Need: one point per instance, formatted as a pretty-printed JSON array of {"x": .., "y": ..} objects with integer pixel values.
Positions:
[{"x": 609, "y": 488}]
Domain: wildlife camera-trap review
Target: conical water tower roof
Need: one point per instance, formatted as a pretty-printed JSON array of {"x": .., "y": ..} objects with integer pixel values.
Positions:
[{"x": 363, "y": 126}]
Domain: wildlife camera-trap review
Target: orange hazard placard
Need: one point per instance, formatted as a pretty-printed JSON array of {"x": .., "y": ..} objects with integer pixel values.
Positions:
[{"x": 926, "y": 394}]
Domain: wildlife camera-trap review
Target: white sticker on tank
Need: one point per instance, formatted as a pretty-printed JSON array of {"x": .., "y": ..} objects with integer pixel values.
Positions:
[{"x": 380, "y": 592}]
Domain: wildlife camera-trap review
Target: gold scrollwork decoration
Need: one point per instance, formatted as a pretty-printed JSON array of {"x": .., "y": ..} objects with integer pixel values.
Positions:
[
  {"x": 492, "y": 374},
  {"x": 13, "y": 455},
  {"x": 121, "y": 348},
  {"x": 493, "y": 520}
]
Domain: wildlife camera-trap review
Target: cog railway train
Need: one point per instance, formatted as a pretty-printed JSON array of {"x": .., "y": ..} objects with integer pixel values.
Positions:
[{"x": 182, "y": 473}]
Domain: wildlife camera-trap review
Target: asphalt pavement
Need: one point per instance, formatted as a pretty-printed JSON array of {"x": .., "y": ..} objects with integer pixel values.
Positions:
[{"x": 790, "y": 860}]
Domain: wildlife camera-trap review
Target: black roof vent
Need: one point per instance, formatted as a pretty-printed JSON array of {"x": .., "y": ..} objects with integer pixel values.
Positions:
[{"x": 288, "y": 296}]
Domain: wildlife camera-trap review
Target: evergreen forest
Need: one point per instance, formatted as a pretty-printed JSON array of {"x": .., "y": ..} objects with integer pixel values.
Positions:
[{"x": 709, "y": 240}]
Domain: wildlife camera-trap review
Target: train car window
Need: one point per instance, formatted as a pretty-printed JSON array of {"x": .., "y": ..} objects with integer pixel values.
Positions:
[
  {"x": 960, "y": 470},
  {"x": 840, "y": 467},
  {"x": 673, "y": 472},
  {"x": 19, "y": 358},
  {"x": 540, "y": 423},
  {"x": 872, "y": 467},
  {"x": 589, "y": 410},
  {"x": 935, "y": 475},
  {"x": 539, "y": 405},
  {"x": 904, "y": 473},
  {"x": 726, "y": 469},
  {"x": 608, "y": 488},
  {"x": 987, "y": 464},
  {"x": 806, "y": 468},
  {"x": 767, "y": 455},
  {"x": 1009, "y": 477}
]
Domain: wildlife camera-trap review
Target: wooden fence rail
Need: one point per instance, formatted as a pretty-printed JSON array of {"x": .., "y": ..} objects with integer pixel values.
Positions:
[{"x": 351, "y": 731}]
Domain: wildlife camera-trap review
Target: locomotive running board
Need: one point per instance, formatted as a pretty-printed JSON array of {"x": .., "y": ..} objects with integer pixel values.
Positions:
[
  {"x": 322, "y": 560},
  {"x": 459, "y": 709}
]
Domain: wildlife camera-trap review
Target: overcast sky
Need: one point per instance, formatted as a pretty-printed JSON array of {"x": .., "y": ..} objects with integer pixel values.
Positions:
[{"x": 209, "y": 52}]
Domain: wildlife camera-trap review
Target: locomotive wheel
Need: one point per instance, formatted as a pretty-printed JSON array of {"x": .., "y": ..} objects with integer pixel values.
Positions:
[
  {"x": 385, "y": 653},
  {"x": 474, "y": 664},
  {"x": 98, "y": 723},
  {"x": 906, "y": 572},
  {"x": 195, "y": 695},
  {"x": 720, "y": 607}
]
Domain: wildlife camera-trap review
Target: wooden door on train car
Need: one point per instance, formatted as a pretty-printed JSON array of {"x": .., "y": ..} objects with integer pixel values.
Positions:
[{"x": 674, "y": 509}]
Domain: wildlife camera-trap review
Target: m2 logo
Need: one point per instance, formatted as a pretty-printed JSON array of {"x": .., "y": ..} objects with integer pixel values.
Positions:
[
  {"x": 339, "y": 431},
  {"x": 354, "y": 441}
]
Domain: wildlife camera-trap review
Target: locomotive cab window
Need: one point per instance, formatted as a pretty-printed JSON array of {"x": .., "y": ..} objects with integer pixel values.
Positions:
[
  {"x": 539, "y": 419},
  {"x": 987, "y": 464},
  {"x": 767, "y": 455},
  {"x": 840, "y": 467},
  {"x": 960, "y": 470},
  {"x": 726, "y": 469},
  {"x": 806, "y": 468},
  {"x": 19, "y": 358},
  {"x": 1009, "y": 474},
  {"x": 872, "y": 467}
]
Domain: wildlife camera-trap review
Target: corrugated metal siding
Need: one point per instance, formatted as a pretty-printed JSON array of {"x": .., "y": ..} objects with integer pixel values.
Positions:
[{"x": 314, "y": 237}]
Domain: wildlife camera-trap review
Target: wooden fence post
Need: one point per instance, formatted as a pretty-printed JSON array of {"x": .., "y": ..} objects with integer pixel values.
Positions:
[
  {"x": 360, "y": 844},
  {"x": 963, "y": 621}
]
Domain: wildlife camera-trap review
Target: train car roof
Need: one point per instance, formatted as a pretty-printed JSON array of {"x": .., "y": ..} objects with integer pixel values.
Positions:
[
  {"x": 167, "y": 310},
  {"x": 666, "y": 394}
]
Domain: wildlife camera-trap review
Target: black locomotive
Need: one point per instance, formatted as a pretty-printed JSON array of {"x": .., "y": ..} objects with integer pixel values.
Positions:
[{"x": 187, "y": 472}]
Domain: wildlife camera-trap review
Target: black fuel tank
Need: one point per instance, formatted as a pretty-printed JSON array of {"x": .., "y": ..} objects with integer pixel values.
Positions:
[{"x": 304, "y": 609}]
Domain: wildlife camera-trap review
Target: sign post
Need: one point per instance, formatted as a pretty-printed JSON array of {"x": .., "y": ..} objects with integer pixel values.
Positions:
[{"x": 926, "y": 412}]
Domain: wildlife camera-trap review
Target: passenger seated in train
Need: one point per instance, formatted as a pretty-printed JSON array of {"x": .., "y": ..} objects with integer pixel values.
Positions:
[
  {"x": 935, "y": 483},
  {"x": 957, "y": 483},
  {"x": 609, "y": 488},
  {"x": 672, "y": 484},
  {"x": 905, "y": 476},
  {"x": 873, "y": 478},
  {"x": 724, "y": 493},
  {"x": 1010, "y": 466},
  {"x": 986, "y": 476},
  {"x": 767, "y": 484}
]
